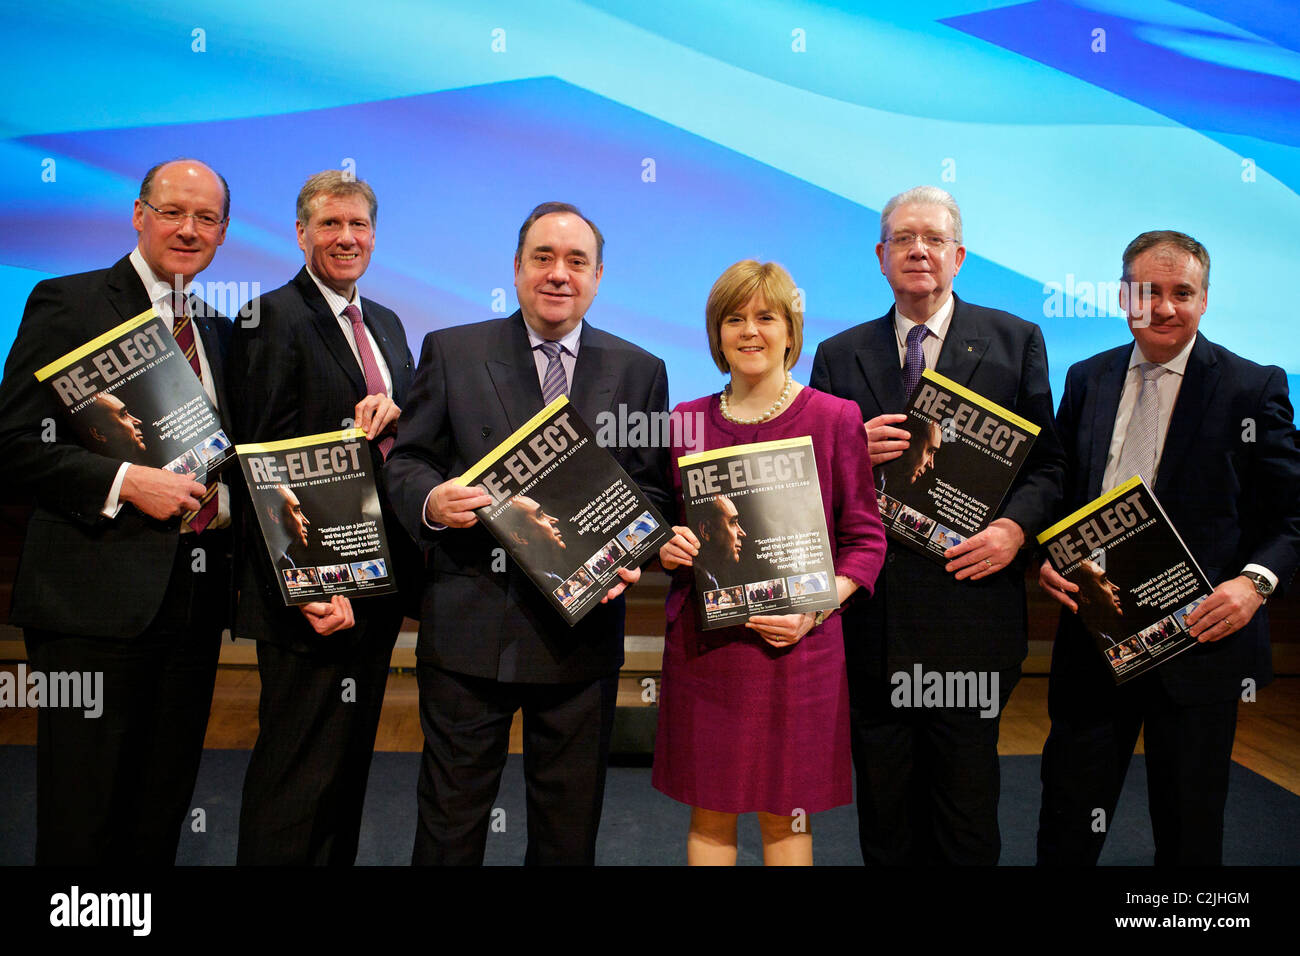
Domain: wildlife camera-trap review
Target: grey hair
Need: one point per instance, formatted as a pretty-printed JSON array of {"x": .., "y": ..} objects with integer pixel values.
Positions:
[{"x": 925, "y": 195}]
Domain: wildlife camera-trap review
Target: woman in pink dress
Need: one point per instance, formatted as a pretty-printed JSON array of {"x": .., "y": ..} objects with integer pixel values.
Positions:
[{"x": 756, "y": 718}]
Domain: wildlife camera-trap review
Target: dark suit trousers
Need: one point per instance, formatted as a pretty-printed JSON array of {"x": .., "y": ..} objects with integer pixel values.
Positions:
[
  {"x": 317, "y": 719},
  {"x": 1188, "y": 753},
  {"x": 116, "y": 789},
  {"x": 466, "y": 723},
  {"x": 927, "y": 778}
]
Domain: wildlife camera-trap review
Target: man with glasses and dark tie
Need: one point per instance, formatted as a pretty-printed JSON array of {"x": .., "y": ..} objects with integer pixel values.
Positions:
[
  {"x": 927, "y": 778},
  {"x": 490, "y": 642},
  {"x": 315, "y": 356},
  {"x": 147, "y": 596},
  {"x": 1213, "y": 436}
]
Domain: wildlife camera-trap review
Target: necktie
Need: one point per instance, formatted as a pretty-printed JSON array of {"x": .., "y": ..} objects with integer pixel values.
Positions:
[
  {"x": 555, "y": 383},
  {"x": 374, "y": 378},
  {"x": 914, "y": 363},
  {"x": 1138, "y": 456},
  {"x": 183, "y": 332}
]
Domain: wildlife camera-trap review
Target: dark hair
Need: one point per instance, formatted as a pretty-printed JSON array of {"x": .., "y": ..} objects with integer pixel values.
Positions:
[
  {"x": 1168, "y": 237},
  {"x": 146, "y": 184},
  {"x": 545, "y": 209}
]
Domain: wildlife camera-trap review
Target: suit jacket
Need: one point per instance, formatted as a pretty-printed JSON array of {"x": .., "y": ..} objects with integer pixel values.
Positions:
[
  {"x": 297, "y": 377},
  {"x": 476, "y": 384},
  {"x": 1229, "y": 487},
  {"x": 919, "y": 612},
  {"x": 81, "y": 573}
]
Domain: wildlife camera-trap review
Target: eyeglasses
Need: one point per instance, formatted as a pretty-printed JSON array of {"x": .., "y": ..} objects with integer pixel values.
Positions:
[
  {"x": 931, "y": 241},
  {"x": 174, "y": 217}
]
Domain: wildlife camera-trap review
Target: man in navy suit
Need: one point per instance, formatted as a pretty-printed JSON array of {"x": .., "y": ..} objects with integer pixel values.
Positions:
[
  {"x": 490, "y": 642},
  {"x": 116, "y": 789},
  {"x": 927, "y": 778},
  {"x": 316, "y": 356},
  {"x": 1213, "y": 435}
]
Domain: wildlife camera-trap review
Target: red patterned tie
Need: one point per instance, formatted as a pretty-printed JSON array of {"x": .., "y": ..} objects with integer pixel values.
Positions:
[
  {"x": 183, "y": 331},
  {"x": 374, "y": 378}
]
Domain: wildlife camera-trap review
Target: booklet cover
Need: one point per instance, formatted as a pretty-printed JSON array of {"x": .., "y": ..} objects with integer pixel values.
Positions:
[
  {"x": 565, "y": 510},
  {"x": 964, "y": 453},
  {"x": 764, "y": 548},
  {"x": 131, "y": 394},
  {"x": 1137, "y": 580},
  {"x": 318, "y": 509}
]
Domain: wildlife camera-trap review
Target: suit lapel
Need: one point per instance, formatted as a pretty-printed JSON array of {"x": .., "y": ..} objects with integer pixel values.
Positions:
[
  {"x": 126, "y": 293},
  {"x": 877, "y": 358},
  {"x": 963, "y": 346},
  {"x": 1195, "y": 395},
  {"x": 1110, "y": 385},
  {"x": 213, "y": 350},
  {"x": 327, "y": 327},
  {"x": 515, "y": 376},
  {"x": 594, "y": 381}
]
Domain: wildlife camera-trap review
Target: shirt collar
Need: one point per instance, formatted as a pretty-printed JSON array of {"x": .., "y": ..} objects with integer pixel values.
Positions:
[
  {"x": 937, "y": 323},
  {"x": 158, "y": 290},
  {"x": 1177, "y": 364},
  {"x": 335, "y": 301},
  {"x": 570, "y": 341}
]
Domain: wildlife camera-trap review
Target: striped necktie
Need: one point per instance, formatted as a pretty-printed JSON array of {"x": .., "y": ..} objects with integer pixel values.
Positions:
[
  {"x": 1138, "y": 456},
  {"x": 555, "y": 383},
  {"x": 183, "y": 331}
]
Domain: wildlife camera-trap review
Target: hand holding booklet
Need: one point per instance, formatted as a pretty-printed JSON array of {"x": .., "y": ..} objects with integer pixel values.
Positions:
[
  {"x": 319, "y": 513},
  {"x": 565, "y": 510},
  {"x": 964, "y": 453},
  {"x": 1137, "y": 580},
  {"x": 764, "y": 548}
]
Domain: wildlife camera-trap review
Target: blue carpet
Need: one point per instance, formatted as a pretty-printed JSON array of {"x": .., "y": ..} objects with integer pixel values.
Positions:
[{"x": 641, "y": 826}]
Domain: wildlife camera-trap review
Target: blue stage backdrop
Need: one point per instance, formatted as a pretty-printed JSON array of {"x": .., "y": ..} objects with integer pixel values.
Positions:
[{"x": 695, "y": 133}]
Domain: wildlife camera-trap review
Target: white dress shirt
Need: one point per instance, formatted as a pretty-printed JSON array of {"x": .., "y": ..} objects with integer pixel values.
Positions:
[
  {"x": 1167, "y": 388},
  {"x": 336, "y": 305},
  {"x": 937, "y": 324}
]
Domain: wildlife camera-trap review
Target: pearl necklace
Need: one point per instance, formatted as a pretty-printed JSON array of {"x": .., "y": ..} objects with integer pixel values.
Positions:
[{"x": 772, "y": 409}]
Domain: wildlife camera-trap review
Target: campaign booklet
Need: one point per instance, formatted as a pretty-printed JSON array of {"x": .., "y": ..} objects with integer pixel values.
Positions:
[
  {"x": 318, "y": 509},
  {"x": 1137, "y": 580},
  {"x": 131, "y": 394},
  {"x": 764, "y": 548},
  {"x": 949, "y": 483},
  {"x": 565, "y": 510}
]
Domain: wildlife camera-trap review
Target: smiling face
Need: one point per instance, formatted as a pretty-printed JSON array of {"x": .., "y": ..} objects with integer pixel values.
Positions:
[
  {"x": 1164, "y": 295},
  {"x": 920, "y": 276},
  {"x": 556, "y": 274},
  {"x": 754, "y": 339},
  {"x": 180, "y": 249},
  {"x": 338, "y": 240}
]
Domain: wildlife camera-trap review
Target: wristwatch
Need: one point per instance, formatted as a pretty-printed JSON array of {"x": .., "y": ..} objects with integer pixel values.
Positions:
[
  {"x": 820, "y": 617},
  {"x": 1262, "y": 585}
]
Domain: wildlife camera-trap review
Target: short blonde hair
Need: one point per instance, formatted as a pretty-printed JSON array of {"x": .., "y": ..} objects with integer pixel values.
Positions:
[{"x": 740, "y": 283}]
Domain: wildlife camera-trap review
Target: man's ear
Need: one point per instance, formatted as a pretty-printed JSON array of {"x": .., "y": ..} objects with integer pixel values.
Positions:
[
  {"x": 99, "y": 436},
  {"x": 274, "y": 512},
  {"x": 518, "y": 539}
]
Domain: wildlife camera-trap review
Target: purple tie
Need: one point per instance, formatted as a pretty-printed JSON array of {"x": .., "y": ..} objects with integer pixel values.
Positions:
[
  {"x": 374, "y": 379},
  {"x": 554, "y": 383},
  {"x": 914, "y": 364}
]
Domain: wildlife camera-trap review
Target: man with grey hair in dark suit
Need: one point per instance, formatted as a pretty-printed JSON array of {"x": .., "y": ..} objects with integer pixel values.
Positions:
[{"x": 928, "y": 777}]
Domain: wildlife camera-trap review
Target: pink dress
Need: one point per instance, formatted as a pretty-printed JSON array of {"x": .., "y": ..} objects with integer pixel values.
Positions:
[{"x": 744, "y": 726}]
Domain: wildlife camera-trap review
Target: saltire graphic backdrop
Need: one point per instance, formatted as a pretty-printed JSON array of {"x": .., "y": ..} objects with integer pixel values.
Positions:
[{"x": 695, "y": 133}]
